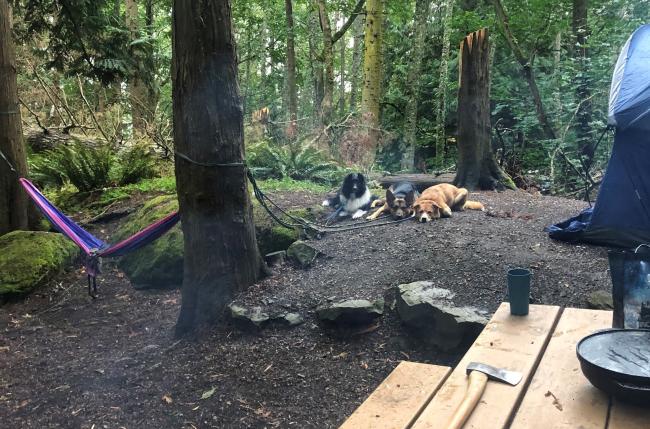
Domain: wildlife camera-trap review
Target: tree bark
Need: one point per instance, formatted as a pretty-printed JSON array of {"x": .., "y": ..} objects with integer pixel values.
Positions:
[
  {"x": 327, "y": 103},
  {"x": 138, "y": 96},
  {"x": 221, "y": 253},
  {"x": 477, "y": 166},
  {"x": 357, "y": 47},
  {"x": 526, "y": 70},
  {"x": 13, "y": 200},
  {"x": 316, "y": 65},
  {"x": 441, "y": 102},
  {"x": 342, "y": 76},
  {"x": 328, "y": 60},
  {"x": 583, "y": 90},
  {"x": 422, "y": 8},
  {"x": 364, "y": 153},
  {"x": 292, "y": 95}
]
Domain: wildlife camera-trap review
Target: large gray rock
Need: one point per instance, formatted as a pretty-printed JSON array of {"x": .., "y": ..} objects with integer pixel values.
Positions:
[
  {"x": 246, "y": 318},
  {"x": 29, "y": 258},
  {"x": 302, "y": 253},
  {"x": 431, "y": 314},
  {"x": 600, "y": 300},
  {"x": 351, "y": 313}
]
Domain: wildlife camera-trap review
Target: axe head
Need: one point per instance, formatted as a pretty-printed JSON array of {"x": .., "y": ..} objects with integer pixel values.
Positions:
[{"x": 497, "y": 374}]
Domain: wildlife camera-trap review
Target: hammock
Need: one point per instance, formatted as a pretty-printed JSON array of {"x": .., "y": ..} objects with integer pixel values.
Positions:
[{"x": 93, "y": 247}]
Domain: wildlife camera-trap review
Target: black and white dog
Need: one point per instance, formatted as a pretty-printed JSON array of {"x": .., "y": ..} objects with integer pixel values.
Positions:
[{"x": 353, "y": 199}]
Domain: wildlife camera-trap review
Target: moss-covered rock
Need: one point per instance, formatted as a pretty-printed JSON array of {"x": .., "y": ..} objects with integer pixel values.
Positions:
[
  {"x": 29, "y": 258},
  {"x": 160, "y": 265}
]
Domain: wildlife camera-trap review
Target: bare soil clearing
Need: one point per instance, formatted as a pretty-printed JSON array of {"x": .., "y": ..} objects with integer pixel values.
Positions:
[{"x": 68, "y": 361}]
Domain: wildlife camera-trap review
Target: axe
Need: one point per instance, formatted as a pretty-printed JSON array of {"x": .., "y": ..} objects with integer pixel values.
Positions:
[{"x": 479, "y": 373}]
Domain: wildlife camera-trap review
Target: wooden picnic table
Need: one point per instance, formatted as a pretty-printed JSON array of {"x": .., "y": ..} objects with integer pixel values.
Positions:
[{"x": 552, "y": 394}]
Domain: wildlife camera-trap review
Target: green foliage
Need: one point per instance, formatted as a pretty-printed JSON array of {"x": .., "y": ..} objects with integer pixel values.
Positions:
[
  {"x": 87, "y": 168},
  {"x": 291, "y": 161},
  {"x": 136, "y": 163}
]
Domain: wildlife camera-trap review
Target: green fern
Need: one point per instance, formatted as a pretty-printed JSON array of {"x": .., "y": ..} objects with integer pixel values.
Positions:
[
  {"x": 136, "y": 163},
  {"x": 291, "y": 161},
  {"x": 87, "y": 168}
]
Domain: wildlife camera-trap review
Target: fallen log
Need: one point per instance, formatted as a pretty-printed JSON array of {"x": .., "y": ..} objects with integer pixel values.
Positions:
[{"x": 419, "y": 180}]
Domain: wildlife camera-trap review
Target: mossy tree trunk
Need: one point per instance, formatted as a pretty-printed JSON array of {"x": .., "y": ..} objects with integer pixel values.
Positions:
[
  {"x": 422, "y": 8},
  {"x": 361, "y": 150},
  {"x": 583, "y": 90},
  {"x": 292, "y": 94},
  {"x": 329, "y": 39},
  {"x": 328, "y": 60},
  {"x": 221, "y": 253},
  {"x": 441, "y": 102},
  {"x": 477, "y": 166},
  {"x": 13, "y": 201},
  {"x": 138, "y": 94},
  {"x": 353, "y": 74}
]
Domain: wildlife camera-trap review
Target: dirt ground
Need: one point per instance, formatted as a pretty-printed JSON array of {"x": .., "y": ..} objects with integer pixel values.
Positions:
[{"x": 69, "y": 361}]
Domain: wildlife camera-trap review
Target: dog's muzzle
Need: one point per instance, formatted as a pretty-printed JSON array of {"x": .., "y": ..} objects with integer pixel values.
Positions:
[{"x": 424, "y": 218}]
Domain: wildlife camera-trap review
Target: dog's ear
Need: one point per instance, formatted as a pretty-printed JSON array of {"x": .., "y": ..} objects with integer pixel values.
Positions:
[
  {"x": 361, "y": 178},
  {"x": 416, "y": 206},
  {"x": 410, "y": 198},
  {"x": 434, "y": 204},
  {"x": 390, "y": 198}
]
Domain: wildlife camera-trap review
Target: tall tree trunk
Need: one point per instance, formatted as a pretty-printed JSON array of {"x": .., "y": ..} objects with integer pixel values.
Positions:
[
  {"x": 477, "y": 166},
  {"x": 137, "y": 88},
  {"x": 372, "y": 79},
  {"x": 526, "y": 70},
  {"x": 328, "y": 59},
  {"x": 316, "y": 64},
  {"x": 422, "y": 8},
  {"x": 292, "y": 95},
  {"x": 13, "y": 201},
  {"x": 221, "y": 254},
  {"x": 583, "y": 90},
  {"x": 353, "y": 74},
  {"x": 443, "y": 80},
  {"x": 342, "y": 44}
]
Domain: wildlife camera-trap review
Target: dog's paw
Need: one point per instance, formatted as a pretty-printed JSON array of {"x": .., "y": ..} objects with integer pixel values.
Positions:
[
  {"x": 358, "y": 214},
  {"x": 325, "y": 203}
]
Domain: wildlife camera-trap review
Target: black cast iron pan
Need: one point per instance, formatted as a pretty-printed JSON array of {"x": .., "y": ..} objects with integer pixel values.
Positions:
[{"x": 617, "y": 361}]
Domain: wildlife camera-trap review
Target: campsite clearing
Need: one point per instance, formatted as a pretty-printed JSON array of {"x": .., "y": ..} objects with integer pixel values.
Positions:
[{"x": 115, "y": 362}]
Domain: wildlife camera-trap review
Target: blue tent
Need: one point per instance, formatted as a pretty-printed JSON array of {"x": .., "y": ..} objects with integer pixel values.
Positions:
[{"x": 621, "y": 215}]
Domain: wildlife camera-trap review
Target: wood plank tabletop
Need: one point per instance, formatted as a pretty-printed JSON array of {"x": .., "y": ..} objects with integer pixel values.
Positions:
[
  {"x": 511, "y": 342},
  {"x": 552, "y": 394},
  {"x": 559, "y": 395},
  {"x": 397, "y": 402}
]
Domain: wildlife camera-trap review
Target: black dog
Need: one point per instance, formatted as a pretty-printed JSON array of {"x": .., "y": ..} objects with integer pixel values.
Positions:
[{"x": 353, "y": 199}]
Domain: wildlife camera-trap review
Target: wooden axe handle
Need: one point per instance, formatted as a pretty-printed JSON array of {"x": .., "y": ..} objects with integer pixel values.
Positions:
[{"x": 477, "y": 382}]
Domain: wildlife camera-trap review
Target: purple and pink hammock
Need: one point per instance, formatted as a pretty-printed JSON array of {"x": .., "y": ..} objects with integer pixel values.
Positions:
[{"x": 93, "y": 247}]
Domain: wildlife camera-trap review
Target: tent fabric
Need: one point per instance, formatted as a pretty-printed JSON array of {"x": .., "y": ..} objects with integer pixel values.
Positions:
[
  {"x": 621, "y": 215},
  {"x": 92, "y": 246},
  {"x": 629, "y": 100}
]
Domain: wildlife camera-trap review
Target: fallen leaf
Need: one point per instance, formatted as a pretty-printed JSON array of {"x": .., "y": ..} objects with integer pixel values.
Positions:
[
  {"x": 195, "y": 408},
  {"x": 208, "y": 393},
  {"x": 364, "y": 365},
  {"x": 99, "y": 371},
  {"x": 341, "y": 355},
  {"x": 167, "y": 399},
  {"x": 4, "y": 349}
]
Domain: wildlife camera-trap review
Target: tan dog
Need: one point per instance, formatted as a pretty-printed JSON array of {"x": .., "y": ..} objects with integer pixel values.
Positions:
[{"x": 439, "y": 201}]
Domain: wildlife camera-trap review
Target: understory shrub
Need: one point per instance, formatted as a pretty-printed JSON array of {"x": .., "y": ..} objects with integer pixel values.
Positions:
[{"x": 291, "y": 161}]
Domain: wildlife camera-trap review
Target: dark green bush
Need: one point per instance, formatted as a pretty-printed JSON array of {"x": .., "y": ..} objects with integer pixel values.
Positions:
[
  {"x": 135, "y": 164},
  {"x": 293, "y": 161}
]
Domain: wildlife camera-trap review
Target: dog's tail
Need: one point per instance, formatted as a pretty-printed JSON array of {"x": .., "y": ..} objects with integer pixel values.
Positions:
[{"x": 474, "y": 205}]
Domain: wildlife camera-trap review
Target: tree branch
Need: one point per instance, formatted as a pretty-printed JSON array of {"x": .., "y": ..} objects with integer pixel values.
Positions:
[
  {"x": 356, "y": 11},
  {"x": 90, "y": 110}
]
